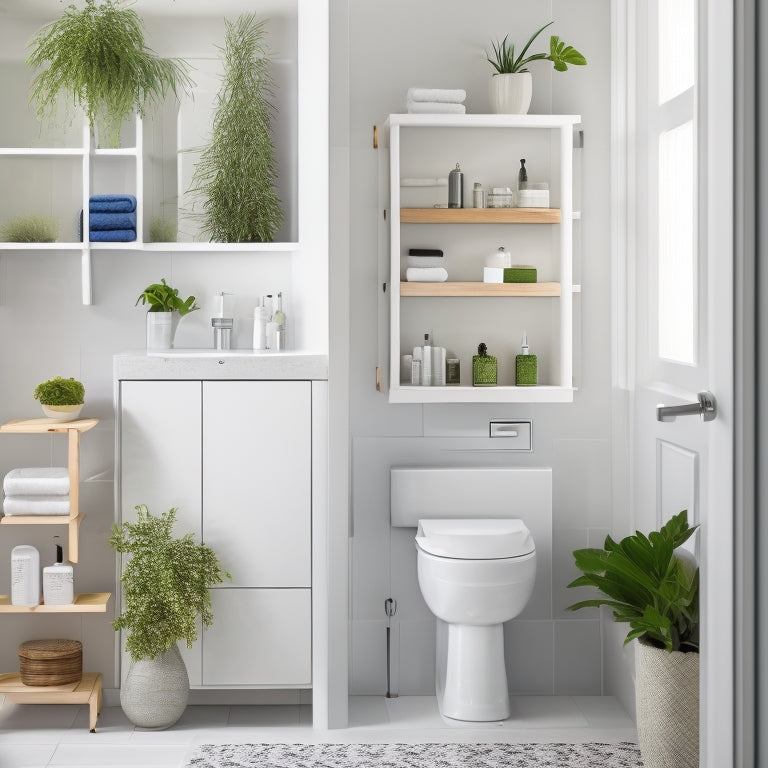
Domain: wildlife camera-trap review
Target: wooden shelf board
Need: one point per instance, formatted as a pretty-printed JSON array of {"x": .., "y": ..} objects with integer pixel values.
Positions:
[
  {"x": 42, "y": 520},
  {"x": 87, "y": 602},
  {"x": 500, "y": 394},
  {"x": 43, "y": 426},
  {"x": 479, "y": 289},
  {"x": 480, "y": 216}
]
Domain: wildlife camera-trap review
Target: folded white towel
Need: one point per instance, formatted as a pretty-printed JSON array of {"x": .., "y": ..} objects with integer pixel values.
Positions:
[
  {"x": 451, "y": 96},
  {"x": 426, "y": 274},
  {"x": 423, "y": 262},
  {"x": 435, "y": 107},
  {"x": 37, "y": 480},
  {"x": 36, "y": 505}
]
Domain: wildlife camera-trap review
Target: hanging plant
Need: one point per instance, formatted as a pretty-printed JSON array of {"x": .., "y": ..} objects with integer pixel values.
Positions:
[
  {"x": 235, "y": 176},
  {"x": 98, "y": 58}
]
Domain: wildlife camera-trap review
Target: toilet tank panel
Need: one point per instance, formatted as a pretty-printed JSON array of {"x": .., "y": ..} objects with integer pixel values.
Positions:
[{"x": 417, "y": 493}]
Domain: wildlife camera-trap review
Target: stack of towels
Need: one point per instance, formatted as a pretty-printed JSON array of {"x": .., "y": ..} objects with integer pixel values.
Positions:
[
  {"x": 425, "y": 265},
  {"x": 436, "y": 100},
  {"x": 36, "y": 491},
  {"x": 112, "y": 218}
]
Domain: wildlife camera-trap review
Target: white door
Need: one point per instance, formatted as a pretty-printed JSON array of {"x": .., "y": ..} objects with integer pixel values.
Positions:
[{"x": 681, "y": 292}]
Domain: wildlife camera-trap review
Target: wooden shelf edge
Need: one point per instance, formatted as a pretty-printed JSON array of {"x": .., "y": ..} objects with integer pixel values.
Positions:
[
  {"x": 11, "y": 685},
  {"x": 480, "y": 215},
  {"x": 42, "y": 520},
  {"x": 85, "y": 602},
  {"x": 479, "y": 289},
  {"x": 44, "y": 426}
]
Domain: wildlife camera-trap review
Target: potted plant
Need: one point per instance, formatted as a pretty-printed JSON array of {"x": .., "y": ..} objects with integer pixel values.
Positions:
[
  {"x": 165, "y": 588},
  {"x": 654, "y": 587},
  {"x": 511, "y": 85},
  {"x": 166, "y": 308},
  {"x": 29, "y": 229},
  {"x": 97, "y": 56},
  {"x": 61, "y": 399},
  {"x": 234, "y": 179}
]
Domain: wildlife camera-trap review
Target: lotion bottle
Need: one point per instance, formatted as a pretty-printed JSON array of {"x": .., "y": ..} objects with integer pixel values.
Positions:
[
  {"x": 58, "y": 581},
  {"x": 260, "y": 326},
  {"x": 526, "y": 366},
  {"x": 426, "y": 363},
  {"x": 25, "y": 576}
]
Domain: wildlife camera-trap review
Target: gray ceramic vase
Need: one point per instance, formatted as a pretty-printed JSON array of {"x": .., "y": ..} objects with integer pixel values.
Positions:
[{"x": 155, "y": 692}]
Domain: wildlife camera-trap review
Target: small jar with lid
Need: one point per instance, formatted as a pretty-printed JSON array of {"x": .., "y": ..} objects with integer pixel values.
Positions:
[{"x": 478, "y": 195}]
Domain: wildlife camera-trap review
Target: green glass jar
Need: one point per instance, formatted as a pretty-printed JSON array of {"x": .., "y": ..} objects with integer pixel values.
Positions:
[{"x": 484, "y": 368}]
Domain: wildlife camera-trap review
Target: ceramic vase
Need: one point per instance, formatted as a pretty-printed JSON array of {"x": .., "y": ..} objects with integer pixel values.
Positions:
[
  {"x": 161, "y": 329},
  {"x": 667, "y": 701},
  {"x": 511, "y": 93},
  {"x": 62, "y": 412},
  {"x": 155, "y": 692}
]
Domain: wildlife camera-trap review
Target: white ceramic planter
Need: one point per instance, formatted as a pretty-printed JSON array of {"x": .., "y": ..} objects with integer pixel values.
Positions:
[
  {"x": 511, "y": 94},
  {"x": 161, "y": 328},
  {"x": 62, "y": 412}
]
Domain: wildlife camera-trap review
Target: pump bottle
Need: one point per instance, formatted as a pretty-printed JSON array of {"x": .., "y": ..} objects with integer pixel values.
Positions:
[{"x": 58, "y": 581}]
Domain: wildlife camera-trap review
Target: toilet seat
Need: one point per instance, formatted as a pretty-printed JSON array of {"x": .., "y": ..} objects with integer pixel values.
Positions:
[{"x": 474, "y": 539}]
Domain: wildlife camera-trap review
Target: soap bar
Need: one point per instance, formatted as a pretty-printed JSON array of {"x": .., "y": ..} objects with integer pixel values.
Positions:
[
  {"x": 520, "y": 274},
  {"x": 493, "y": 274}
]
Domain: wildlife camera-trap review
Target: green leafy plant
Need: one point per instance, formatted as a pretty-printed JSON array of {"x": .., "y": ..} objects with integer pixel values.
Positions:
[
  {"x": 163, "y": 231},
  {"x": 647, "y": 585},
  {"x": 234, "y": 179},
  {"x": 30, "y": 229},
  {"x": 162, "y": 298},
  {"x": 165, "y": 583},
  {"x": 60, "y": 391},
  {"x": 560, "y": 54},
  {"x": 98, "y": 57}
]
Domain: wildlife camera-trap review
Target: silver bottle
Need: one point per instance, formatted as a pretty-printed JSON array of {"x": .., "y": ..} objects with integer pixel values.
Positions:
[{"x": 456, "y": 188}]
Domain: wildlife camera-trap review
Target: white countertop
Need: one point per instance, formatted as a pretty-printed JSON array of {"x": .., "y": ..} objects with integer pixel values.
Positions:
[{"x": 219, "y": 364}]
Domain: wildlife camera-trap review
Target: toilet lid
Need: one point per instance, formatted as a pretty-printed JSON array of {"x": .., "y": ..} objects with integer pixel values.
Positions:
[{"x": 467, "y": 539}]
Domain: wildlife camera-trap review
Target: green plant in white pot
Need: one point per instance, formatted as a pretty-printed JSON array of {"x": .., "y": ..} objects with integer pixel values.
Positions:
[
  {"x": 166, "y": 308},
  {"x": 654, "y": 587},
  {"x": 165, "y": 588},
  {"x": 61, "y": 399},
  {"x": 511, "y": 86}
]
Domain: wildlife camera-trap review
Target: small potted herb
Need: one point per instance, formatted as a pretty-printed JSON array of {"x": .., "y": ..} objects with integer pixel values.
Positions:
[
  {"x": 61, "y": 399},
  {"x": 166, "y": 308},
  {"x": 511, "y": 86}
]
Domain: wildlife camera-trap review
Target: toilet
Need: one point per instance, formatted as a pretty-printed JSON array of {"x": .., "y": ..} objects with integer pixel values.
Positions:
[{"x": 475, "y": 573}]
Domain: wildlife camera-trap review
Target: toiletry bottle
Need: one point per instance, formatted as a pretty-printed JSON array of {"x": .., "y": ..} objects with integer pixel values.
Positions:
[
  {"x": 522, "y": 176},
  {"x": 416, "y": 365},
  {"x": 438, "y": 366},
  {"x": 478, "y": 195},
  {"x": 58, "y": 581},
  {"x": 426, "y": 362},
  {"x": 452, "y": 370},
  {"x": 456, "y": 188},
  {"x": 279, "y": 320},
  {"x": 269, "y": 308},
  {"x": 260, "y": 326},
  {"x": 25, "y": 575},
  {"x": 526, "y": 366},
  {"x": 484, "y": 368}
]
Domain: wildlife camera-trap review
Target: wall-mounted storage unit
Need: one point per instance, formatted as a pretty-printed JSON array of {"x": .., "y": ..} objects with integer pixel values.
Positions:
[{"x": 461, "y": 313}]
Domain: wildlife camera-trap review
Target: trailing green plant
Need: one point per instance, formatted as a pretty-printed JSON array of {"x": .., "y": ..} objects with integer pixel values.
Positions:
[
  {"x": 98, "y": 57},
  {"x": 560, "y": 54},
  {"x": 234, "y": 179},
  {"x": 30, "y": 229},
  {"x": 647, "y": 585},
  {"x": 165, "y": 583},
  {"x": 163, "y": 230},
  {"x": 60, "y": 391},
  {"x": 161, "y": 297}
]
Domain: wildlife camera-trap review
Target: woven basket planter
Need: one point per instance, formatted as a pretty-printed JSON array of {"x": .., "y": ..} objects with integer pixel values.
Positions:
[{"x": 667, "y": 699}]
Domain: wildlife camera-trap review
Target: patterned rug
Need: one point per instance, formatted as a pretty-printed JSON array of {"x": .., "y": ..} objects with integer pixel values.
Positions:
[{"x": 624, "y": 755}]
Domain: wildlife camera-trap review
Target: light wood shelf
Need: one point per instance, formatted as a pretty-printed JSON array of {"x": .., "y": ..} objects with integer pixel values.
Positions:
[
  {"x": 479, "y": 289},
  {"x": 86, "y": 691},
  {"x": 480, "y": 216},
  {"x": 86, "y": 602},
  {"x": 43, "y": 426}
]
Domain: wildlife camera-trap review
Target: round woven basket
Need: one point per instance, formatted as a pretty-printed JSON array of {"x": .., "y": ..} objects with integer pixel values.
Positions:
[{"x": 51, "y": 662}]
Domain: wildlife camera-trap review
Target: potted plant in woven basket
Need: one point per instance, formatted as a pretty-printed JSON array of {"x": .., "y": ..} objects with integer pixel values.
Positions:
[
  {"x": 165, "y": 588},
  {"x": 654, "y": 586}
]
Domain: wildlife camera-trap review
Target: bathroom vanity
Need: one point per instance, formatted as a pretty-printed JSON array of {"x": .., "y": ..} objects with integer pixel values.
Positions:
[{"x": 237, "y": 441}]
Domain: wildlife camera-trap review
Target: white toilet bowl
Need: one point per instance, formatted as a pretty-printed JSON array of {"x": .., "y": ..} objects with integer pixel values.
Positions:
[{"x": 474, "y": 575}]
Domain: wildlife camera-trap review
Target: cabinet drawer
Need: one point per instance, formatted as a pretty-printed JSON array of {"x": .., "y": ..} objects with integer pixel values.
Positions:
[{"x": 259, "y": 637}]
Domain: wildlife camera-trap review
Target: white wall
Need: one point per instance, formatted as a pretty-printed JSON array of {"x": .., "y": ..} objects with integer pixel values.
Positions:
[{"x": 440, "y": 43}]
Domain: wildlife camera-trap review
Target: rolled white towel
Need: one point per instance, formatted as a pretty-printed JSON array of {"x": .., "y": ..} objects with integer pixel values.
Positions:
[
  {"x": 425, "y": 262},
  {"x": 36, "y": 481},
  {"x": 435, "y": 108},
  {"x": 426, "y": 274},
  {"x": 36, "y": 505},
  {"x": 449, "y": 95}
]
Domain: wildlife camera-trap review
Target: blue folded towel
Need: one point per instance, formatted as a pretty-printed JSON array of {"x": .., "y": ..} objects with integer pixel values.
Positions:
[
  {"x": 112, "y": 204},
  {"x": 113, "y": 236},
  {"x": 104, "y": 221}
]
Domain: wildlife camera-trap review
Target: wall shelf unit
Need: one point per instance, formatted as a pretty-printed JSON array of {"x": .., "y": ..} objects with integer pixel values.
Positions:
[{"x": 457, "y": 315}]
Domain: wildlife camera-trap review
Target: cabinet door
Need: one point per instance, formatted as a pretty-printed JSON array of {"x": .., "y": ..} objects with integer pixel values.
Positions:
[
  {"x": 160, "y": 463},
  {"x": 257, "y": 465},
  {"x": 259, "y": 637}
]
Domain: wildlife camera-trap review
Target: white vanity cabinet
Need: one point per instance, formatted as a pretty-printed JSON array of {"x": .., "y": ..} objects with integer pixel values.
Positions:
[{"x": 235, "y": 457}]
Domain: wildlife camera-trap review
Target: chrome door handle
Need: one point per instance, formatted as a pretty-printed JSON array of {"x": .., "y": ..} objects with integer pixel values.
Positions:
[{"x": 706, "y": 408}]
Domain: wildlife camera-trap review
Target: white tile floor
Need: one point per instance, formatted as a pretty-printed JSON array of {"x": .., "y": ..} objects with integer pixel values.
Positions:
[{"x": 34, "y": 736}]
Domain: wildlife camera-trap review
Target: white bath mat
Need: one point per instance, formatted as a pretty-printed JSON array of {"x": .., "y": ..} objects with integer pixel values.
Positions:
[{"x": 623, "y": 755}]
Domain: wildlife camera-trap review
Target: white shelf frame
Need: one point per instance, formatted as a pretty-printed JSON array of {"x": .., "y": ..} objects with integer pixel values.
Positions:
[{"x": 561, "y": 393}]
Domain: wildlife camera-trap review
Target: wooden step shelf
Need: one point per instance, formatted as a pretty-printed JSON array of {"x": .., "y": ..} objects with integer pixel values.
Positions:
[
  {"x": 480, "y": 216},
  {"x": 72, "y": 429},
  {"x": 86, "y": 691},
  {"x": 86, "y": 602},
  {"x": 479, "y": 289}
]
